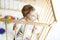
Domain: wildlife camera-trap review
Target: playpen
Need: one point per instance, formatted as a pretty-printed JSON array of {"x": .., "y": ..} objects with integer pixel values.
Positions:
[{"x": 46, "y": 15}]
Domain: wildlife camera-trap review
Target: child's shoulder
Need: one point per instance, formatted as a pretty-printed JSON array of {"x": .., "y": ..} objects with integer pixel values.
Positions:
[{"x": 22, "y": 19}]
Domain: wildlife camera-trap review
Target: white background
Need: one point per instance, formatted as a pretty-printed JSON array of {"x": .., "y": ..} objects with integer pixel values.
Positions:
[{"x": 55, "y": 31}]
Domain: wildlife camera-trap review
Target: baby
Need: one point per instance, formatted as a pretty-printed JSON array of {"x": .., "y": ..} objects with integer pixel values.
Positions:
[{"x": 29, "y": 14}]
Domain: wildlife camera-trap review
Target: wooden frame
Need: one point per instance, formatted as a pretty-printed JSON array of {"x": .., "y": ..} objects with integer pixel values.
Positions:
[{"x": 33, "y": 23}]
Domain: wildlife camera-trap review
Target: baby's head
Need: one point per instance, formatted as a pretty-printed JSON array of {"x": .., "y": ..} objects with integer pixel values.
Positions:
[{"x": 28, "y": 12}]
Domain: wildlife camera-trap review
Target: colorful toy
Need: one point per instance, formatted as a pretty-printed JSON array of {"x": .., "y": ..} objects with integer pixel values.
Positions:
[
  {"x": 2, "y": 31},
  {"x": 9, "y": 17}
]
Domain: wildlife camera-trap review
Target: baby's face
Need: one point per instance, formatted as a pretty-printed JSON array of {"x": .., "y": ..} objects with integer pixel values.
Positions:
[{"x": 32, "y": 16}]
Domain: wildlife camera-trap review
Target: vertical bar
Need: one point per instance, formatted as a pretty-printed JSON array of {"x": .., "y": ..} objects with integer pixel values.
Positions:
[
  {"x": 43, "y": 27},
  {"x": 46, "y": 6},
  {"x": 32, "y": 32},
  {"x": 49, "y": 28},
  {"x": 49, "y": 14},
  {"x": 42, "y": 10},
  {"x": 15, "y": 34},
  {"x": 14, "y": 28},
  {"x": 6, "y": 23},
  {"x": 51, "y": 18},
  {"x": 6, "y": 31},
  {"x": 47, "y": 33},
  {"x": 42, "y": 19},
  {"x": 40, "y": 33},
  {"x": 9, "y": 4},
  {"x": 24, "y": 31},
  {"x": 47, "y": 19},
  {"x": 4, "y": 4},
  {"x": 46, "y": 15},
  {"x": 53, "y": 9},
  {"x": 15, "y": 31},
  {"x": 54, "y": 17},
  {"x": 13, "y": 4},
  {"x": 48, "y": 11}
]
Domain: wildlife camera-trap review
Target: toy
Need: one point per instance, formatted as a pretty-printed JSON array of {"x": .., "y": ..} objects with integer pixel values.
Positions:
[
  {"x": 9, "y": 17},
  {"x": 2, "y": 31}
]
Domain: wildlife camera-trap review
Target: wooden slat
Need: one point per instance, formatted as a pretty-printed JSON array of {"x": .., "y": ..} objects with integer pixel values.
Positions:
[
  {"x": 10, "y": 9},
  {"x": 45, "y": 25},
  {"x": 6, "y": 31},
  {"x": 53, "y": 10},
  {"x": 27, "y": 22}
]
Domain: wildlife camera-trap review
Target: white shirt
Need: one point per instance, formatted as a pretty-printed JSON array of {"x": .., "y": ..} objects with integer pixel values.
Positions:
[{"x": 28, "y": 31}]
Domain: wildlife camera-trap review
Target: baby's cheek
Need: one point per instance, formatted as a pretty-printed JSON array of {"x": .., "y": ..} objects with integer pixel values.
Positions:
[{"x": 33, "y": 18}]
